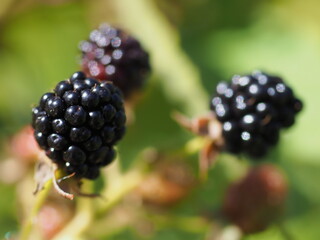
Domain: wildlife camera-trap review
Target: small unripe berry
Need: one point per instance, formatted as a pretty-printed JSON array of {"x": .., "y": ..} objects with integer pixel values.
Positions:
[{"x": 257, "y": 200}]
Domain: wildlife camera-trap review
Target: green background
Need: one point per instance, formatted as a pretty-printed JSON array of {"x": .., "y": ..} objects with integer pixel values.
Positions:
[{"x": 216, "y": 39}]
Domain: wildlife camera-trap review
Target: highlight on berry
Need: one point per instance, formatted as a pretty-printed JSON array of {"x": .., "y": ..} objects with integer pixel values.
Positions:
[
  {"x": 246, "y": 117},
  {"x": 111, "y": 54},
  {"x": 79, "y": 123},
  {"x": 252, "y": 110}
]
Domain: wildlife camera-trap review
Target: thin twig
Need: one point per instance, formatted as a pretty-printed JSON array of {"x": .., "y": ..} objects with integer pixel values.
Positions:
[
  {"x": 115, "y": 193},
  {"x": 58, "y": 189},
  {"x": 65, "y": 177}
]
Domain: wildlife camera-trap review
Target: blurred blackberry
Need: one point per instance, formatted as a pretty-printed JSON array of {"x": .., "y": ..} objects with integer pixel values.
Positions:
[
  {"x": 78, "y": 124},
  {"x": 257, "y": 200},
  {"x": 110, "y": 54},
  {"x": 253, "y": 109}
]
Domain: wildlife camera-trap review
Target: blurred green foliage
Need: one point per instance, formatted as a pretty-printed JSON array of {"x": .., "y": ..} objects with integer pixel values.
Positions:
[{"x": 38, "y": 47}]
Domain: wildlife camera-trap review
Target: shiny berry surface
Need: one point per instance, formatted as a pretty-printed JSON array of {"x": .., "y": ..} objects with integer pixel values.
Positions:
[
  {"x": 78, "y": 124},
  {"x": 62, "y": 87},
  {"x": 253, "y": 109},
  {"x": 71, "y": 98},
  {"x": 110, "y": 54}
]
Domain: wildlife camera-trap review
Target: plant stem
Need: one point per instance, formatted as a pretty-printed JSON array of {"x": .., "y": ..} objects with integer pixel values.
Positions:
[
  {"x": 40, "y": 199},
  {"x": 119, "y": 188},
  {"x": 89, "y": 209},
  {"x": 284, "y": 231},
  {"x": 82, "y": 219},
  {"x": 179, "y": 76},
  {"x": 193, "y": 224}
]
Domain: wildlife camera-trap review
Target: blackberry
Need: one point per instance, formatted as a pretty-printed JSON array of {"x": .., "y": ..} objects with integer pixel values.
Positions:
[
  {"x": 110, "y": 54},
  {"x": 78, "y": 124},
  {"x": 253, "y": 109},
  {"x": 257, "y": 200}
]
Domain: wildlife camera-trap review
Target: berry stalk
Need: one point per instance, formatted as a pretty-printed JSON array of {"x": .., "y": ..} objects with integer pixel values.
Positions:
[
  {"x": 39, "y": 201},
  {"x": 179, "y": 76},
  {"x": 83, "y": 218},
  {"x": 120, "y": 185}
]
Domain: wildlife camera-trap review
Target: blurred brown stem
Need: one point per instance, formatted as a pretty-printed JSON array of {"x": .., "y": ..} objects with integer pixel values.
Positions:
[
  {"x": 11, "y": 7},
  {"x": 179, "y": 76},
  {"x": 29, "y": 222}
]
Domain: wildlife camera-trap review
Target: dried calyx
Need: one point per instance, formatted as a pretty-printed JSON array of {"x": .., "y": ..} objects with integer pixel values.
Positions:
[{"x": 247, "y": 116}]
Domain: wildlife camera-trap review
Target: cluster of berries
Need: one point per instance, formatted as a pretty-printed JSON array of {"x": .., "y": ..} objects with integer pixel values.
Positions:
[
  {"x": 111, "y": 54},
  {"x": 253, "y": 109},
  {"x": 78, "y": 124}
]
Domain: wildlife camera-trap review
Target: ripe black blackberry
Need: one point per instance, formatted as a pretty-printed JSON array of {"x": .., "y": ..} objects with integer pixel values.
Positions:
[
  {"x": 253, "y": 109},
  {"x": 113, "y": 55},
  {"x": 79, "y": 123}
]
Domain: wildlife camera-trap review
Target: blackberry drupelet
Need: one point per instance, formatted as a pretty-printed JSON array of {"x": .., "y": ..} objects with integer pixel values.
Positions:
[
  {"x": 253, "y": 109},
  {"x": 78, "y": 124},
  {"x": 110, "y": 54}
]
